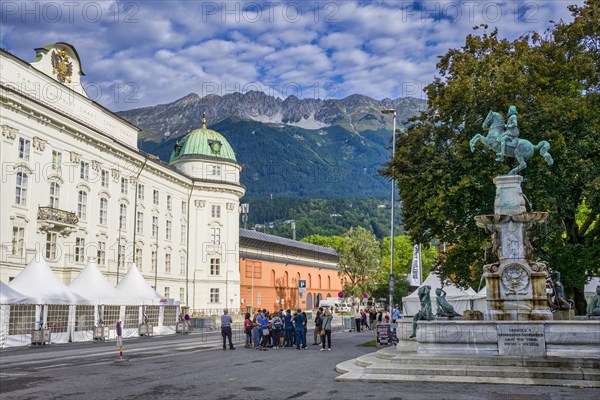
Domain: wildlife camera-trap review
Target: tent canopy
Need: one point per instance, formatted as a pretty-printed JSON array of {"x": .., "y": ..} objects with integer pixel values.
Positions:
[
  {"x": 39, "y": 282},
  {"x": 92, "y": 285},
  {"x": 9, "y": 295},
  {"x": 459, "y": 298},
  {"x": 135, "y": 288}
]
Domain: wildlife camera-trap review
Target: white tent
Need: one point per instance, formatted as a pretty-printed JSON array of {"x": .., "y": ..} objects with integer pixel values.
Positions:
[
  {"x": 480, "y": 304},
  {"x": 459, "y": 298},
  {"x": 135, "y": 288},
  {"x": 9, "y": 295},
  {"x": 39, "y": 282},
  {"x": 92, "y": 285},
  {"x": 590, "y": 288}
]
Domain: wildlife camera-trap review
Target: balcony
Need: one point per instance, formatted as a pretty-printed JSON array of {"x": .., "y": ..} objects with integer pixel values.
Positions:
[{"x": 56, "y": 220}]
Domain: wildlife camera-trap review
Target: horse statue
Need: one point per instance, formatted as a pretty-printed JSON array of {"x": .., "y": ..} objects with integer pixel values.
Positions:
[{"x": 522, "y": 150}]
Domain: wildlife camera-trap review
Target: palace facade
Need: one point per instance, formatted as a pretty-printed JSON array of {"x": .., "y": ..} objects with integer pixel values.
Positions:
[{"x": 76, "y": 187}]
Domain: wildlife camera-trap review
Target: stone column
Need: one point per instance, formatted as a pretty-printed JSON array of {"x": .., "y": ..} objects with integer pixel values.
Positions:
[{"x": 516, "y": 285}]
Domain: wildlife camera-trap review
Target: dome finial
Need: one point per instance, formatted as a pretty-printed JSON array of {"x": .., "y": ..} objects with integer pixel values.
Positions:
[{"x": 203, "y": 120}]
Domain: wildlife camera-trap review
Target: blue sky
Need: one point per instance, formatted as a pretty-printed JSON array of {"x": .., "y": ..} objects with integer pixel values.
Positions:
[{"x": 142, "y": 53}]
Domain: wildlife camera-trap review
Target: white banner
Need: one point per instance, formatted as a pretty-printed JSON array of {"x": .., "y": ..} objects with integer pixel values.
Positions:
[{"x": 414, "y": 278}]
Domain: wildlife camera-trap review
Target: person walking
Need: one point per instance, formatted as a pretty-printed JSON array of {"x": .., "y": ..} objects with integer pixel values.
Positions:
[
  {"x": 318, "y": 326},
  {"x": 186, "y": 326},
  {"x": 226, "y": 322},
  {"x": 396, "y": 314},
  {"x": 299, "y": 328},
  {"x": 372, "y": 316},
  {"x": 255, "y": 331},
  {"x": 304, "y": 327},
  {"x": 326, "y": 328}
]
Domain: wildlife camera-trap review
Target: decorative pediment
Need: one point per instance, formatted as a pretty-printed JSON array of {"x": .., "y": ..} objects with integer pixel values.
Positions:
[
  {"x": 96, "y": 165},
  {"x": 9, "y": 133},
  {"x": 75, "y": 157},
  {"x": 39, "y": 144},
  {"x": 200, "y": 203}
]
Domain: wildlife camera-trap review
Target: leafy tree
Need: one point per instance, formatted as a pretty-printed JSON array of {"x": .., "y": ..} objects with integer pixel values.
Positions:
[
  {"x": 553, "y": 79},
  {"x": 403, "y": 254},
  {"x": 359, "y": 260},
  {"x": 335, "y": 242}
]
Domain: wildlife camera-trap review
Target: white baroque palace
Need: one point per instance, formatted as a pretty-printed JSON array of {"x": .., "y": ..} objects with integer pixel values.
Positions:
[{"x": 76, "y": 187}]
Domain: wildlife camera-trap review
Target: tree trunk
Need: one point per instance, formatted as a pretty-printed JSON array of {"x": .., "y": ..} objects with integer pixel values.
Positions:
[{"x": 579, "y": 299}]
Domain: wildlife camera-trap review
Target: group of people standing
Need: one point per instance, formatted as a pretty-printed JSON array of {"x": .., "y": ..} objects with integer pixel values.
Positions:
[
  {"x": 283, "y": 329},
  {"x": 369, "y": 318}
]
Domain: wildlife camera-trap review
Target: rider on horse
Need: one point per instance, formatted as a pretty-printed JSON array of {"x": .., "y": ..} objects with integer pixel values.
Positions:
[{"x": 511, "y": 135}]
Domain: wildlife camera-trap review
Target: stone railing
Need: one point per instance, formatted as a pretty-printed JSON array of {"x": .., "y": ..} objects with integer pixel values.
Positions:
[{"x": 57, "y": 215}]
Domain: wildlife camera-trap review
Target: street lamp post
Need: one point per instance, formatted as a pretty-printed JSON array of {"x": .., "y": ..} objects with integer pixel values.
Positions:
[{"x": 393, "y": 112}]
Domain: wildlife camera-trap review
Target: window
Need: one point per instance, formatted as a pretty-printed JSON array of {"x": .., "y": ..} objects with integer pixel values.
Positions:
[
  {"x": 56, "y": 160},
  {"x": 123, "y": 217},
  {"x": 216, "y": 211},
  {"x": 184, "y": 208},
  {"x": 214, "y": 295},
  {"x": 79, "y": 249},
  {"x": 121, "y": 255},
  {"x": 183, "y": 233},
  {"x": 103, "y": 211},
  {"x": 182, "y": 265},
  {"x": 215, "y": 235},
  {"x": 50, "y": 245},
  {"x": 18, "y": 240},
  {"x": 54, "y": 194},
  {"x": 140, "y": 223},
  {"x": 21, "y": 189},
  {"x": 104, "y": 179},
  {"x": 141, "y": 192},
  {"x": 258, "y": 298},
  {"x": 155, "y": 227},
  {"x": 215, "y": 266},
  {"x": 24, "y": 146},
  {"x": 153, "y": 261},
  {"x": 82, "y": 204},
  {"x": 124, "y": 189},
  {"x": 101, "y": 253},
  {"x": 181, "y": 295},
  {"x": 138, "y": 257},
  {"x": 167, "y": 292},
  {"x": 84, "y": 170},
  {"x": 169, "y": 202},
  {"x": 168, "y": 230},
  {"x": 167, "y": 263},
  {"x": 216, "y": 170},
  {"x": 155, "y": 197}
]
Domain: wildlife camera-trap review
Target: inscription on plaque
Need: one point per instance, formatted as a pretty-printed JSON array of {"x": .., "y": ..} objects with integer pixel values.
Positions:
[{"x": 521, "y": 340}]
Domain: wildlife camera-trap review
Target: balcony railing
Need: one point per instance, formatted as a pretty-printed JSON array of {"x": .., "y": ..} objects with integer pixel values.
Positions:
[{"x": 56, "y": 215}]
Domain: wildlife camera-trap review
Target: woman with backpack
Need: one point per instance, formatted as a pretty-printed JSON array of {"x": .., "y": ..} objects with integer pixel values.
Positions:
[{"x": 276, "y": 326}]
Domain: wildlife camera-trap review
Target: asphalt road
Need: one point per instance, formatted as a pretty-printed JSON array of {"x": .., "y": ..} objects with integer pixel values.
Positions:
[{"x": 195, "y": 367}]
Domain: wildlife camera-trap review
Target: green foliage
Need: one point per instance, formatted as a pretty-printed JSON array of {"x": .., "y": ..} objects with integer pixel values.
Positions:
[
  {"x": 359, "y": 260},
  {"x": 553, "y": 79},
  {"x": 325, "y": 217},
  {"x": 403, "y": 253}
]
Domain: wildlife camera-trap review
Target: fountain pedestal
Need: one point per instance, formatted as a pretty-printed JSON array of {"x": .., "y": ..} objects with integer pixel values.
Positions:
[{"x": 516, "y": 285}]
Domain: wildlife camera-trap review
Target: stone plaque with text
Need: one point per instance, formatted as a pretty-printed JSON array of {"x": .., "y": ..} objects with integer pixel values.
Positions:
[{"x": 521, "y": 340}]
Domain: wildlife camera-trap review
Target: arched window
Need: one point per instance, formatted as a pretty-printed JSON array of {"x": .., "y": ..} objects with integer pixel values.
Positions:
[
  {"x": 328, "y": 282},
  {"x": 103, "y": 211},
  {"x": 287, "y": 282},
  {"x": 123, "y": 217},
  {"x": 320, "y": 287},
  {"x": 82, "y": 204},
  {"x": 21, "y": 189},
  {"x": 273, "y": 277},
  {"x": 54, "y": 194},
  {"x": 309, "y": 302},
  {"x": 309, "y": 282}
]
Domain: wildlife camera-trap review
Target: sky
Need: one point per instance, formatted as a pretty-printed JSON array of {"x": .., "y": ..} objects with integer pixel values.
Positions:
[{"x": 143, "y": 53}]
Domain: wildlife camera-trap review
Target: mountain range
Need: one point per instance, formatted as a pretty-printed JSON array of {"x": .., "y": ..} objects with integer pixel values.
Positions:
[{"x": 291, "y": 147}]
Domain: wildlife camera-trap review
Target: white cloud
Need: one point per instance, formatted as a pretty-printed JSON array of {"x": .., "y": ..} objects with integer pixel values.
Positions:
[{"x": 168, "y": 49}]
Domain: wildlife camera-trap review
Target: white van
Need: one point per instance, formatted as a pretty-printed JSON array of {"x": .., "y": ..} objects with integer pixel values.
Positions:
[{"x": 329, "y": 304}]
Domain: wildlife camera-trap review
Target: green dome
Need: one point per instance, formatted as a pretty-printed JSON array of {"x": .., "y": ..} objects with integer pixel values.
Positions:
[{"x": 203, "y": 142}]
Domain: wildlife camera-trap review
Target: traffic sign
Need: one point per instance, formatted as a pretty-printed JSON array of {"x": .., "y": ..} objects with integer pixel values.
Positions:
[{"x": 302, "y": 286}]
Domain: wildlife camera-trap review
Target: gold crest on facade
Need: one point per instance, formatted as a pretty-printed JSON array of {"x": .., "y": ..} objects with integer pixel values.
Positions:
[{"x": 62, "y": 66}]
